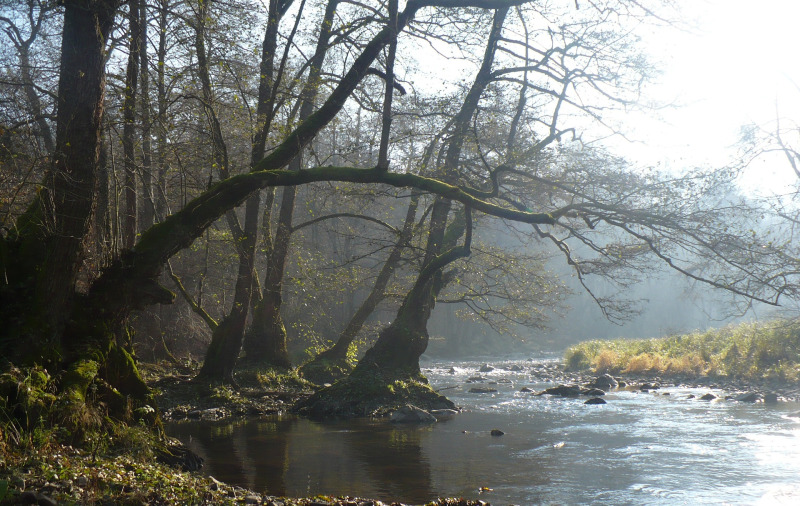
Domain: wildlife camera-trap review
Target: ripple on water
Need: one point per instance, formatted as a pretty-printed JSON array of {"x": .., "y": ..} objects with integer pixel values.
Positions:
[{"x": 640, "y": 448}]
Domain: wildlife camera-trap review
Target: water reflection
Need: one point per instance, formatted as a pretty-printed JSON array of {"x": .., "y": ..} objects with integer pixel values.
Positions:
[
  {"x": 640, "y": 448},
  {"x": 290, "y": 456}
]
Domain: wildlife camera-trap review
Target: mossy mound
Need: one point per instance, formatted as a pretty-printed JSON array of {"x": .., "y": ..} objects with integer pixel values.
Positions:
[
  {"x": 323, "y": 370},
  {"x": 256, "y": 392},
  {"x": 371, "y": 393}
]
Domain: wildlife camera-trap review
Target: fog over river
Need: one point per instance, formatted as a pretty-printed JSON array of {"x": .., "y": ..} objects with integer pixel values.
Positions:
[{"x": 658, "y": 447}]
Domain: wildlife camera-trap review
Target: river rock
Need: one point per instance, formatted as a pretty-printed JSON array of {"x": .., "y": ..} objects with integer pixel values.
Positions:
[
  {"x": 605, "y": 382},
  {"x": 564, "y": 391},
  {"x": 482, "y": 390},
  {"x": 452, "y": 370},
  {"x": 525, "y": 389},
  {"x": 708, "y": 397},
  {"x": 486, "y": 368},
  {"x": 497, "y": 432},
  {"x": 596, "y": 400},
  {"x": 515, "y": 368},
  {"x": 593, "y": 391},
  {"x": 443, "y": 414},
  {"x": 411, "y": 414},
  {"x": 252, "y": 499},
  {"x": 770, "y": 398},
  {"x": 748, "y": 397}
]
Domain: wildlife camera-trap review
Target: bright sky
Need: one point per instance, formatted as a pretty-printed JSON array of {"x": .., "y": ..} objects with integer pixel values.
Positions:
[{"x": 734, "y": 68}]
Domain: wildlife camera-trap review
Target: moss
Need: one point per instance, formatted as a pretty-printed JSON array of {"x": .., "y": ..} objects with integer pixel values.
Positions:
[
  {"x": 321, "y": 371},
  {"x": 77, "y": 378},
  {"x": 372, "y": 393}
]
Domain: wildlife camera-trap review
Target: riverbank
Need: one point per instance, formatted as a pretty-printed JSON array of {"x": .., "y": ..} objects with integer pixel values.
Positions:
[
  {"x": 761, "y": 357},
  {"x": 48, "y": 473},
  {"x": 124, "y": 467}
]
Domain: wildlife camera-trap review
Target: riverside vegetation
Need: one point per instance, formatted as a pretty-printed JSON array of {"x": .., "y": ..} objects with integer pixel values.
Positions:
[{"x": 750, "y": 352}]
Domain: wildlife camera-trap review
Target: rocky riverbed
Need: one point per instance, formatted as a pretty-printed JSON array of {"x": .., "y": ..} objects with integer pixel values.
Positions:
[{"x": 585, "y": 382}]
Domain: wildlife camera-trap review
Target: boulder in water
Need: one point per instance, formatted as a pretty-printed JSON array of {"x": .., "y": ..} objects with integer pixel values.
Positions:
[
  {"x": 482, "y": 390},
  {"x": 748, "y": 397},
  {"x": 497, "y": 432},
  {"x": 411, "y": 414},
  {"x": 486, "y": 368},
  {"x": 605, "y": 382},
  {"x": 770, "y": 398},
  {"x": 593, "y": 392},
  {"x": 525, "y": 390},
  {"x": 564, "y": 391},
  {"x": 443, "y": 414},
  {"x": 596, "y": 400},
  {"x": 708, "y": 397}
]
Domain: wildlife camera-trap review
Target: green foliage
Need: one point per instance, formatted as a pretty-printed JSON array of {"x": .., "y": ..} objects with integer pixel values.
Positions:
[{"x": 747, "y": 350}]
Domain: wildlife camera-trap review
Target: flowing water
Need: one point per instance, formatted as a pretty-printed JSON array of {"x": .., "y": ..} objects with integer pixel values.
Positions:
[{"x": 639, "y": 448}]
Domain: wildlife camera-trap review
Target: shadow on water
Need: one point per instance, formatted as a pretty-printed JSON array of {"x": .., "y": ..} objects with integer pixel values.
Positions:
[
  {"x": 249, "y": 453},
  {"x": 296, "y": 457}
]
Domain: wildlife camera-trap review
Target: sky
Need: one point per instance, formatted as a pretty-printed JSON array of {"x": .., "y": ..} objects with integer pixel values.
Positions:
[{"x": 736, "y": 64}]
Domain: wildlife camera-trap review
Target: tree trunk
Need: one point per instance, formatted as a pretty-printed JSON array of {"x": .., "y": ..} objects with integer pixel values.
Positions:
[
  {"x": 161, "y": 127},
  {"x": 43, "y": 321},
  {"x": 129, "y": 126},
  {"x": 406, "y": 339},
  {"x": 265, "y": 343},
  {"x": 226, "y": 339},
  {"x": 147, "y": 211},
  {"x": 332, "y": 363}
]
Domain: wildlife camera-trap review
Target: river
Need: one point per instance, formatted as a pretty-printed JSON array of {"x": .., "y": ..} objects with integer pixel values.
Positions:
[{"x": 639, "y": 448}]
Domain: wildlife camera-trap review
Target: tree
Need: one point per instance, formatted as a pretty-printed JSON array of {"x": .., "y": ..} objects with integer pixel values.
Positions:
[{"x": 565, "y": 193}]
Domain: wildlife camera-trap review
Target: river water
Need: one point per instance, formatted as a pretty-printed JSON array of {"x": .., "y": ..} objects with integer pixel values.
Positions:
[{"x": 639, "y": 448}]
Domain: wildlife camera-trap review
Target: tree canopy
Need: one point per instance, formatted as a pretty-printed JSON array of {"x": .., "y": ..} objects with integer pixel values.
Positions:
[{"x": 487, "y": 110}]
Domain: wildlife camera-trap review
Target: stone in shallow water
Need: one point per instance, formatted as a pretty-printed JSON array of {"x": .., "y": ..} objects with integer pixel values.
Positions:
[
  {"x": 479, "y": 390},
  {"x": 770, "y": 398},
  {"x": 596, "y": 400},
  {"x": 564, "y": 391},
  {"x": 605, "y": 382},
  {"x": 411, "y": 414},
  {"x": 497, "y": 432},
  {"x": 708, "y": 397},
  {"x": 748, "y": 397}
]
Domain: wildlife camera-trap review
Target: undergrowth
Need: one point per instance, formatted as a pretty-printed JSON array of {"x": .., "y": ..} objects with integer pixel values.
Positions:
[{"x": 768, "y": 350}]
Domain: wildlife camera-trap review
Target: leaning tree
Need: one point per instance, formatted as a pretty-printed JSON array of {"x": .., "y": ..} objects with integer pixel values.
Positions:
[{"x": 56, "y": 317}]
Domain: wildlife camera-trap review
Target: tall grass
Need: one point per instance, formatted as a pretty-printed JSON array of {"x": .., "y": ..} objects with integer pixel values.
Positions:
[{"x": 747, "y": 351}]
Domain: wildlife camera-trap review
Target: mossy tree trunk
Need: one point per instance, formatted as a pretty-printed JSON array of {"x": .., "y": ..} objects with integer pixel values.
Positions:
[
  {"x": 227, "y": 337},
  {"x": 331, "y": 363},
  {"x": 265, "y": 342}
]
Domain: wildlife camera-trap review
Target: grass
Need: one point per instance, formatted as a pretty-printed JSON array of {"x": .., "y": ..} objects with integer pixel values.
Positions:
[{"x": 768, "y": 350}]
